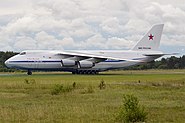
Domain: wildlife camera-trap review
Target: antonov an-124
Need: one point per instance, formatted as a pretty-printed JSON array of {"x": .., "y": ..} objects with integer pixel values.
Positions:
[{"x": 90, "y": 62}]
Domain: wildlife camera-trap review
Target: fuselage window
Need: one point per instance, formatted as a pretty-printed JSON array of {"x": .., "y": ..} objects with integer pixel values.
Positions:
[{"x": 22, "y": 53}]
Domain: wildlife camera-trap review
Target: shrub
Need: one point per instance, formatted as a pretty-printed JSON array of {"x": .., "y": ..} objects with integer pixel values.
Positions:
[
  {"x": 102, "y": 85},
  {"x": 31, "y": 81},
  {"x": 131, "y": 111},
  {"x": 26, "y": 81},
  {"x": 66, "y": 89},
  {"x": 61, "y": 89},
  {"x": 74, "y": 84},
  {"x": 88, "y": 90},
  {"x": 57, "y": 89}
]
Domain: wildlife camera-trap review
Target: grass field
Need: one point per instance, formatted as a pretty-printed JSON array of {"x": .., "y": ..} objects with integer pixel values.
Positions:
[{"x": 28, "y": 98}]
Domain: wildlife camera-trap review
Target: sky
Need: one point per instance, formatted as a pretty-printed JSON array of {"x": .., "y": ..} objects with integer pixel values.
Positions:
[{"x": 89, "y": 24}]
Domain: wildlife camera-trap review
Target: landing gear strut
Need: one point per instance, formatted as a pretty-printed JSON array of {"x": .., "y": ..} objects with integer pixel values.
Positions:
[{"x": 29, "y": 72}]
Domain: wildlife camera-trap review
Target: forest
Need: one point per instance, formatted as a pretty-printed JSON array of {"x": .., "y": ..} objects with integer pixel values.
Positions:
[{"x": 164, "y": 63}]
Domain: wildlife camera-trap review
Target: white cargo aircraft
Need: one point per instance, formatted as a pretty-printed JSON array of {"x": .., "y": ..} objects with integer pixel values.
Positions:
[{"x": 90, "y": 62}]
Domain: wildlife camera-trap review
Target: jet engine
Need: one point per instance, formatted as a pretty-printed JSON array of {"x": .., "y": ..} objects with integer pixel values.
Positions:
[
  {"x": 86, "y": 64},
  {"x": 68, "y": 63}
]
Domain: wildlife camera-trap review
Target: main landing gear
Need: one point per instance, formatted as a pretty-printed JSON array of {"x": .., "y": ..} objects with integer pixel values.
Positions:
[
  {"x": 29, "y": 72},
  {"x": 92, "y": 72}
]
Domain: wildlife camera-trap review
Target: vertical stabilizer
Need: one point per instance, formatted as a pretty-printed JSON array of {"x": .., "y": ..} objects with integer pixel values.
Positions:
[{"x": 151, "y": 40}]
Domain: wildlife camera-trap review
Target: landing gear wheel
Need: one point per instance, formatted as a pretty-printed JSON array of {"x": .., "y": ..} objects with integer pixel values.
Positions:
[
  {"x": 29, "y": 73},
  {"x": 86, "y": 72},
  {"x": 93, "y": 72},
  {"x": 80, "y": 72},
  {"x": 96, "y": 72}
]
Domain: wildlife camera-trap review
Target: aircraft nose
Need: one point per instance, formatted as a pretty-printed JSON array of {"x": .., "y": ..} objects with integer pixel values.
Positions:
[{"x": 7, "y": 63}]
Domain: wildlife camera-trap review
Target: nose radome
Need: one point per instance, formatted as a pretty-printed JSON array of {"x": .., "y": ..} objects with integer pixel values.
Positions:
[{"x": 7, "y": 63}]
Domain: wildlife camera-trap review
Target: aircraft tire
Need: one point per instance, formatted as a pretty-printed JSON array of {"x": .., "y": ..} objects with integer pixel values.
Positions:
[
  {"x": 80, "y": 72},
  {"x": 29, "y": 73},
  {"x": 90, "y": 72},
  {"x": 96, "y": 72},
  {"x": 93, "y": 72}
]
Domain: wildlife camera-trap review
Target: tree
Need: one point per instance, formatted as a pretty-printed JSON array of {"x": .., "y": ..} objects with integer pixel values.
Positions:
[
  {"x": 182, "y": 62},
  {"x": 3, "y": 57}
]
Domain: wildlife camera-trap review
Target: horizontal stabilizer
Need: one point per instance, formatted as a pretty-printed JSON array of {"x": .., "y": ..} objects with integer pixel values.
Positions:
[{"x": 160, "y": 54}]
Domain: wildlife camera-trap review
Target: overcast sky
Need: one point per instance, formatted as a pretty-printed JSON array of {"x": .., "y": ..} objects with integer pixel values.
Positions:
[{"x": 89, "y": 24}]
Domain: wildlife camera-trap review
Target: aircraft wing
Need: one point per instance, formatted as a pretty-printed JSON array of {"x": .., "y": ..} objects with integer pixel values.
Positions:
[{"x": 78, "y": 56}]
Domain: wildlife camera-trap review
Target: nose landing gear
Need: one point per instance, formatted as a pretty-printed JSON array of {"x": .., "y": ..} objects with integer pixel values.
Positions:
[{"x": 29, "y": 72}]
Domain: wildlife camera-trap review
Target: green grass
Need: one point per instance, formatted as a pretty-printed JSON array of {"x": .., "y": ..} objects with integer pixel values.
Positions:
[{"x": 28, "y": 98}]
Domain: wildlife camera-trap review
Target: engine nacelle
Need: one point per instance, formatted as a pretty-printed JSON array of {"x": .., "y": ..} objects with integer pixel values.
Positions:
[
  {"x": 86, "y": 64},
  {"x": 68, "y": 63}
]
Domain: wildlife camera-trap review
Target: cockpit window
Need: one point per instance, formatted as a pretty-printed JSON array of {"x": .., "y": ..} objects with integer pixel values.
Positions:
[{"x": 22, "y": 53}]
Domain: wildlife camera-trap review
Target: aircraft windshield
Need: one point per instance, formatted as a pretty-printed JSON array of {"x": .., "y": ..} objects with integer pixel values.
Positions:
[{"x": 22, "y": 53}]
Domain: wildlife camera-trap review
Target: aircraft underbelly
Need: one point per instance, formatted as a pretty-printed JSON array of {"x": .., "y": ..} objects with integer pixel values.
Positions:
[{"x": 57, "y": 66}]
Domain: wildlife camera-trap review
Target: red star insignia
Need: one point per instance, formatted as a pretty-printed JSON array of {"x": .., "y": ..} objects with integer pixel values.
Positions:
[{"x": 151, "y": 37}]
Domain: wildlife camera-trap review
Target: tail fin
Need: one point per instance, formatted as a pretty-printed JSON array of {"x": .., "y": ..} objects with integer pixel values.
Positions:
[{"x": 151, "y": 40}]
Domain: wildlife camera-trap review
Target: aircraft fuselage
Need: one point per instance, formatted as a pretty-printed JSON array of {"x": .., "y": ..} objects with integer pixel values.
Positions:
[{"x": 49, "y": 61}]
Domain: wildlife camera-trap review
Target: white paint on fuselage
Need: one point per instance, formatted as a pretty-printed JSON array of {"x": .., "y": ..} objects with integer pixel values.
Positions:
[{"x": 48, "y": 60}]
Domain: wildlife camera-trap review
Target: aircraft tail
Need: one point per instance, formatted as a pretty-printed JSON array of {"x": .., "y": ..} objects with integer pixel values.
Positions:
[{"x": 151, "y": 40}]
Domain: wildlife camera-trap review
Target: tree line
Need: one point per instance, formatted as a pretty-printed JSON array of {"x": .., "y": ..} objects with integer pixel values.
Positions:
[
  {"x": 165, "y": 63},
  {"x": 3, "y": 57}
]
